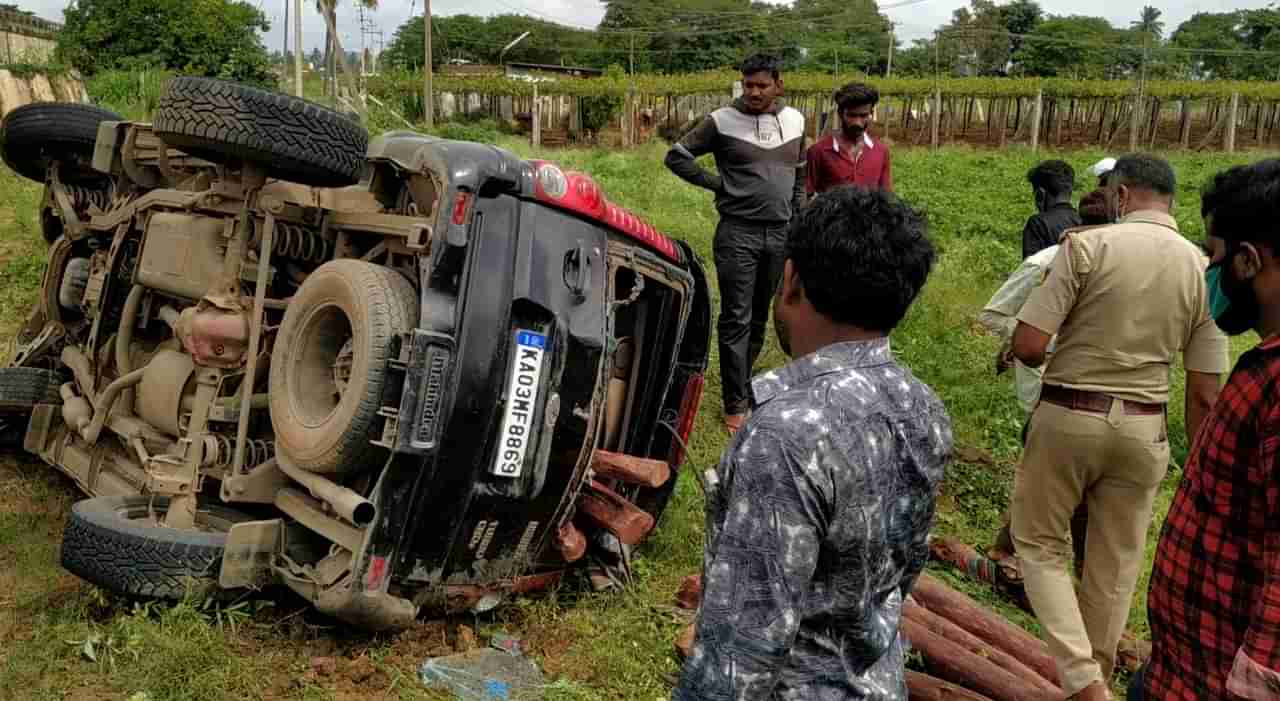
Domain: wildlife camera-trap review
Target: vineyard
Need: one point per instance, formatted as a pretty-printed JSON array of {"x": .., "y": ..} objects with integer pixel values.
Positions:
[{"x": 1054, "y": 112}]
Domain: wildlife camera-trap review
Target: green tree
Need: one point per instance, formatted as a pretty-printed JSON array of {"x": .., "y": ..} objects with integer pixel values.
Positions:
[
  {"x": 217, "y": 38},
  {"x": 480, "y": 40},
  {"x": 1077, "y": 47},
  {"x": 1212, "y": 32}
]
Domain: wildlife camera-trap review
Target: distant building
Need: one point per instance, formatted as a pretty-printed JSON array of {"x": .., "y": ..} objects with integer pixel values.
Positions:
[{"x": 534, "y": 71}]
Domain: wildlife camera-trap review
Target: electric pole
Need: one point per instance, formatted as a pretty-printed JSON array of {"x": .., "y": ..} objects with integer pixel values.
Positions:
[
  {"x": 297, "y": 48},
  {"x": 284, "y": 57},
  {"x": 428, "y": 107}
]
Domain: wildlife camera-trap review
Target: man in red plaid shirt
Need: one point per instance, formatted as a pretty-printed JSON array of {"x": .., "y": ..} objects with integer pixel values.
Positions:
[{"x": 1214, "y": 603}]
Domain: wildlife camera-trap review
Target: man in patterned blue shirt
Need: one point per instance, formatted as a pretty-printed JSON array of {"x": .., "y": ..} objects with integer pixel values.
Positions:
[{"x": 818, "y": 513}]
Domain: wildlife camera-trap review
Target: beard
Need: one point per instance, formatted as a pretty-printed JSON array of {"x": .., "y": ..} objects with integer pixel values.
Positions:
[
  {"x": 852, "y": 133},
  {"x": 1244, "y": 312}
]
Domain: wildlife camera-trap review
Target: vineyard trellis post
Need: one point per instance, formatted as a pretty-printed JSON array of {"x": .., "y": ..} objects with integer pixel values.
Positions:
[
  {"x": 1231, "y": 122},
  {"x": 428, "y": 98},
  {"x": 935, "y": 117},
  {"x": 1036, "y": 115},
  {"x": 297, "y": 48},
  {"x": 1184, "y": 137},
  {"x": 536, "y": 136}
]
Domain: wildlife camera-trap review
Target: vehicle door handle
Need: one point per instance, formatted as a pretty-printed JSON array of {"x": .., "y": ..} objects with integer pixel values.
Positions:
[{"x": 577, "y": 270}]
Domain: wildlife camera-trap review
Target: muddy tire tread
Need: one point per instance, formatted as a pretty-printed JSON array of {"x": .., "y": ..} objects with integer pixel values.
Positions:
[
  {"x": 292, "y": 138},
  {"x": 127, "y": 558},
  {"x": 60, "y": 128},
  {"x": 21, "y": 389}
]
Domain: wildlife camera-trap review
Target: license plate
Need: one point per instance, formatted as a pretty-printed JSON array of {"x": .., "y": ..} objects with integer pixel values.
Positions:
[{"x": 522, "y": 399}]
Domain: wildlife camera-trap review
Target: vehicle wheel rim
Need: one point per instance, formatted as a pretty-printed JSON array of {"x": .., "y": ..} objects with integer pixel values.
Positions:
[
  {"x": 206, "y": 521},
  {"x": 321, "y": 372},
  {"x": 342, "y": 368}
]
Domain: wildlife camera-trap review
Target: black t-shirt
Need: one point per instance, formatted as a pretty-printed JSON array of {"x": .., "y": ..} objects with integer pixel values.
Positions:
[{"x": 1044, "y": 229}]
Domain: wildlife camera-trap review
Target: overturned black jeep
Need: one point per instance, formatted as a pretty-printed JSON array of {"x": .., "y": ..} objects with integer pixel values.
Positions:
[{"x": 390, "y": 375}]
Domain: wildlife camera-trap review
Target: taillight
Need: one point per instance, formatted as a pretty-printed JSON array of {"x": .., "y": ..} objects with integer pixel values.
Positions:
[
  {"x": 551, "y": 181},
  {"x": 577, "y": 192},
  {"x": 460, "y": 203},
  {"x": 684, "y": 422}
]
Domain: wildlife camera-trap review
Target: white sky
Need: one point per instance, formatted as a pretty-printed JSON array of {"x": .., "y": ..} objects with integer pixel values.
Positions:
[{"x": 914, "y": 21}]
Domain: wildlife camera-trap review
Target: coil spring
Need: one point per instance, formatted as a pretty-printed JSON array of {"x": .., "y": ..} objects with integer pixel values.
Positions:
[
  {"x": 256, "y": 452},
  {"x": 83, "y": 197},
  {"x": 298, "y": 243}
]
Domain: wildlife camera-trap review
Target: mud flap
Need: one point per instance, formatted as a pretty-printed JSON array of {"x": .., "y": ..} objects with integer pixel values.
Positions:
[{"x": 250, "y": 550}]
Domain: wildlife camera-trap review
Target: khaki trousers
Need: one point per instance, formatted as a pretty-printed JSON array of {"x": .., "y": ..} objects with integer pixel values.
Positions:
[{"x": 1114, "y": 464}]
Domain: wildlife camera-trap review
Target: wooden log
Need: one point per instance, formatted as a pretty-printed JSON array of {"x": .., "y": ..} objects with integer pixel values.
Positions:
[
  {"x": 1000, "y": 633},
  {"x": 1005, "y": 578},
  {"x": 923, "y": 687},
  {"x": 972, "y": 643},
  {"x": 951, "y": 661}
]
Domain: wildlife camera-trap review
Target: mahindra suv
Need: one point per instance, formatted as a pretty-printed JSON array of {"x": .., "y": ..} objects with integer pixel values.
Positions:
[{"x": 392, "y": 375}]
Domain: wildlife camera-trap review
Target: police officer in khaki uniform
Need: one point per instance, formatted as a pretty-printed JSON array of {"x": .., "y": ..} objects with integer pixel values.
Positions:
[{"x": 1123, "y": 300}]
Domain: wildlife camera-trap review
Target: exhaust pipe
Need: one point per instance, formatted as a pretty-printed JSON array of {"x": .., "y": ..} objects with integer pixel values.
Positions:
[{"x": 349, "y": 505}]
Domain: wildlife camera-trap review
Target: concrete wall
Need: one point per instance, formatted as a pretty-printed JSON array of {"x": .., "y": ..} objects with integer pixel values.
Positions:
[
  {"x": 16, "y": 91},
  {"x": 15, "y": 48}
]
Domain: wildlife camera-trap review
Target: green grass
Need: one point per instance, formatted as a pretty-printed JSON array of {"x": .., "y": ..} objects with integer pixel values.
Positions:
[{"x": 593, "y": 646}]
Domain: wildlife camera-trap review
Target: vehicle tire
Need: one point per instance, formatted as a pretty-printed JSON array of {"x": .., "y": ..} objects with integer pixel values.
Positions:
[
  {"x": 110, "y": 541},
  {"x": 33, "y": 135},
  {"x": 21, "y": 389},
  {"x": 291, "y": 138},
  {"x": 329, "y": 364}
]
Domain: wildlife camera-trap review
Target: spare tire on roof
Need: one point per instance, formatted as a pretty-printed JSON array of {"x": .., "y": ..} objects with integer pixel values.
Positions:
[
  {"x": 289, "y": 137},
  {"x": 33, "y": 136}
]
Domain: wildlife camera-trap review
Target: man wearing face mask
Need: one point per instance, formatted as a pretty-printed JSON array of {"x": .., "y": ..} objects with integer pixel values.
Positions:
[
  {"x": 1051, "y": 185},
  {"x": 1214, "y": 602},
  {"x": 1124, "y": 301},
  {"x": 848, "y": 155}
]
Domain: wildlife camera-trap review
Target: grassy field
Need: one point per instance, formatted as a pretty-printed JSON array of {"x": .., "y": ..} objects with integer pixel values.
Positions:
[{"x": 61, "y": 638}]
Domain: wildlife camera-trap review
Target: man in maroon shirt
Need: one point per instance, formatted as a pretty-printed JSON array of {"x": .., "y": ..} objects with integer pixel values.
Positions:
[
  {"x": 848, "y": 155},
  {"x": 1214, "y": 602}
]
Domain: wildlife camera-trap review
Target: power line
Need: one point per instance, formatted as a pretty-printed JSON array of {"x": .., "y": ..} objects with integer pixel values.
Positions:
[{"x": 966, "y": 31}]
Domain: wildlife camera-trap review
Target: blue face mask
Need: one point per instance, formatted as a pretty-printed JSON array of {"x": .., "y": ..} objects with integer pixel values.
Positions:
[{"x": 1219, "y": 304}]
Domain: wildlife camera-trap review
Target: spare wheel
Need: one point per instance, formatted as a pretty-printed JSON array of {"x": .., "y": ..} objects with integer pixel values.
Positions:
[
  {"x": 289, "y": 137},
  {"x": 119, "y": 543},
  {"x": 34, "y": 135},
  {"x": 329, "y": 364}
]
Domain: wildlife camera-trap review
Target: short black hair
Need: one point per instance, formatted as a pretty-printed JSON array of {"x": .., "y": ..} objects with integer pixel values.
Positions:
[
  {"x": 1145, "y": 171},
  {"x": 856, "y": 95},
  {"x": 758, "y": 63},
  {"x": 1245, "y": 203},
  {"x": 1220, "y": 186},
  {"x": 1056, "y": 178},
  {"x": 861, "y": 255}
]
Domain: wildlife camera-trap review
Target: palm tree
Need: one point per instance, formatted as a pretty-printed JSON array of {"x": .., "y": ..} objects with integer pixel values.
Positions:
[
  {"x": 1149, "y": 23},
  {"x": 333, "y": 45}
]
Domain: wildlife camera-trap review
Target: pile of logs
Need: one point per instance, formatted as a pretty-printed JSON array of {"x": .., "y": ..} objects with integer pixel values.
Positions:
[{"x": 970, "y": 652}]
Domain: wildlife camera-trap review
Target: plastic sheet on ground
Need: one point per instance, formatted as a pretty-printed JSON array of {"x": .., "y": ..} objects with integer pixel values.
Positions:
[{"x": 485, "y": 675}]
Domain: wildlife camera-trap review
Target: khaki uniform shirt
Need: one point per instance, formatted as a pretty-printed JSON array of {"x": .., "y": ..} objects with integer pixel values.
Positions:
[{"x": 1123, "y": 300}]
